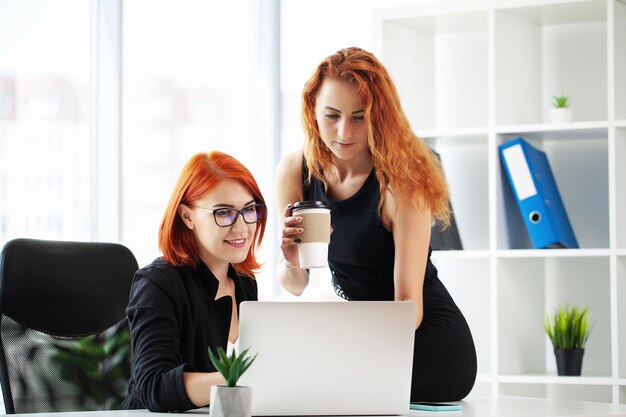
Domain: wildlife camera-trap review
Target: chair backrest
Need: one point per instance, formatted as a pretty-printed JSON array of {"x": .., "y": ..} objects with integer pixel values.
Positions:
[{"x": 64, "y": 343}]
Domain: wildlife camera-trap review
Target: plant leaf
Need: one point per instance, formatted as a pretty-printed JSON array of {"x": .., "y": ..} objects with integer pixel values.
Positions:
[
  {"x": 217, "y": 361},
  {"x": 569, "y": 327},
  {"x": 247, "y": 364},
  {"x": 231, "y": 367}
]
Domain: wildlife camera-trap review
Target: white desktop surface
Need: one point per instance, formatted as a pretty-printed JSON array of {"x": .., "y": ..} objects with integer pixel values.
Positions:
[{"x": 473, "y": 407}]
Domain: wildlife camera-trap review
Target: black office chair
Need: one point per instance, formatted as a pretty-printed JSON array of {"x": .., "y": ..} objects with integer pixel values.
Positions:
[{"x": 64, "y": 343}]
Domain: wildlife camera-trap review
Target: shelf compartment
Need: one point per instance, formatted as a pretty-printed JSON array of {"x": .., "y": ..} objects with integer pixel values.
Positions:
[
  {"x": 468, "y": 282},
  {"x": 529, "y": 287},
  {"x": 439, "y": 65},
  {"x": 548, "y": 50},
  {"x": 573, "y": 392},
  {"x": 579, "y": 162},
  {"x": 465, "y": 160}
]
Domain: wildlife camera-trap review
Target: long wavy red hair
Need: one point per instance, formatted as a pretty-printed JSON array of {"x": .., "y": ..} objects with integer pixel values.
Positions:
[
  {"x": 402, "y": 159},
  {"x": 199, "y": 176}
]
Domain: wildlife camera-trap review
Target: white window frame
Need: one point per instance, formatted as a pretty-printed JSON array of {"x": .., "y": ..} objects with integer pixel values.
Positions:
[{"x": 106, "y": 116}]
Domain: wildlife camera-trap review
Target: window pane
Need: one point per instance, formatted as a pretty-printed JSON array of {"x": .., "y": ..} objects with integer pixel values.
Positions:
[
  {"x": 191, "y": 84},
  {"x": 44, "y": 119},
  {"x": 311, "y": 31}
]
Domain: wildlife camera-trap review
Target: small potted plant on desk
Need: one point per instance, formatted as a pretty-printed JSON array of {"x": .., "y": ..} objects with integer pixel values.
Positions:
[
  {"x": 568, "y": 330},
  {"x": 231, "y": 400},
  {"x": 560, "y": 111}
]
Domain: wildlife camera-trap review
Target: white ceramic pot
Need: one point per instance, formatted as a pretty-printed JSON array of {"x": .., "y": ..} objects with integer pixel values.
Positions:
[
  {"x": 560, "y": 115},
  {"x": 230, "y": 401}
]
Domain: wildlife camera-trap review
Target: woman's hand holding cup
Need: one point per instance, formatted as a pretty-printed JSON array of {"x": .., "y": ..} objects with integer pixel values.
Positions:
[{"x": 290, "y": 237}]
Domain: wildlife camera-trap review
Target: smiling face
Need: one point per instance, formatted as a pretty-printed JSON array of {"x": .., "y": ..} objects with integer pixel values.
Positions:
[
  {"x": 339, "y": 112},
  {"x": 220, "y": 246}
]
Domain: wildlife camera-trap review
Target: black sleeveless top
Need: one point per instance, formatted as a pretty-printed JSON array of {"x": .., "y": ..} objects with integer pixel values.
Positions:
[
  {"x": 361, "y": 251},
  {"x": 361, "y": 259}
]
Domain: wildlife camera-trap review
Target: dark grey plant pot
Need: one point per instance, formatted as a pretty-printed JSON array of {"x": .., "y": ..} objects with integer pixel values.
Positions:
[{"x": 569, "y": 362}]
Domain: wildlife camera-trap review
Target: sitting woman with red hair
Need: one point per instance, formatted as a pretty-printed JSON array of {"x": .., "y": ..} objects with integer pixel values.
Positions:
[{"x": 187, "y": 300}]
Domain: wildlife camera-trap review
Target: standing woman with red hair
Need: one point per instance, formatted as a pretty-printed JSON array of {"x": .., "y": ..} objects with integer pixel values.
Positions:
[
  {"x": 187, "y": 300},
  {"x": 384, "y": 187}
]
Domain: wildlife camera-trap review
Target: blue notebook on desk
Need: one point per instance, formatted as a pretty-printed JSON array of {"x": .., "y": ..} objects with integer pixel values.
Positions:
[{"x": 537, "y": 195}]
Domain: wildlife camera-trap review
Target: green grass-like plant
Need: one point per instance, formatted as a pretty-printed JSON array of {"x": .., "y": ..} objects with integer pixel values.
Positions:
[
  {"x": 569, "y": 328},
  {"x": 233, "y": 366},
  {"x": 560, "y": 102}
]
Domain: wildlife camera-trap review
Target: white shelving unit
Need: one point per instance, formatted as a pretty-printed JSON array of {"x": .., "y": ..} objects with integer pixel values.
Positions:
[{"x": 475, "y": 74}]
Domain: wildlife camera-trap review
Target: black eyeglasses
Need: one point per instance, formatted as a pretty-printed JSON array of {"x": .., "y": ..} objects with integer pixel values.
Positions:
[{"x": 225, "y": 217}]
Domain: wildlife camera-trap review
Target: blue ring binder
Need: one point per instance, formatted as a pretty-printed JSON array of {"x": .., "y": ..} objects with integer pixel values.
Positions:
[{"x": 537, "y": 195}]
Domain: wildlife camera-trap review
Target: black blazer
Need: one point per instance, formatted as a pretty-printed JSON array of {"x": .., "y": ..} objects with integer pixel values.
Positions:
[{"x": 174, "y": 318}]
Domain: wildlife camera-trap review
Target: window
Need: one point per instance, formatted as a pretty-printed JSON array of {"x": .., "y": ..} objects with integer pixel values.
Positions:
[
  {"x": 45, "y": 176},
  {"x": 192, "y": 83},
  {"x": 197, "y": 75}
]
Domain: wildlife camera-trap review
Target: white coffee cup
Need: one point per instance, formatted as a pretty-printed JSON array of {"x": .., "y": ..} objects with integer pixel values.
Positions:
[{"x": 314, "y": 240}]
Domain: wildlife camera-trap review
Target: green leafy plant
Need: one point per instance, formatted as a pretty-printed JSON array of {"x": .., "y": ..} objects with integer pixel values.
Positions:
[
  {"x": 98, "y": 365},
  {"x": 569, "y": 328},
  {"x": 560, "y": 102},
  {"x": 233, "y": 366}
]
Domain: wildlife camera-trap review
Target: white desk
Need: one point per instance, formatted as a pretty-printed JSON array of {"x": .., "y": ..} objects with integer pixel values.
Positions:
[{"x": 474, "y": 407}]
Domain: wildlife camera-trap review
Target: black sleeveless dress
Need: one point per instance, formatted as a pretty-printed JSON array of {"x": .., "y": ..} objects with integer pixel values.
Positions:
[{"x": 361, "y": 259}]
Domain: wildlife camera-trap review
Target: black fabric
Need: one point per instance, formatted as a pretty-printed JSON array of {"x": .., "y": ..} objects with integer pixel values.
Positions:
[
  {"x": 63, "y": 332},
  {"x": 361, "y": 260},
  {"x": 174, "y": 318}
]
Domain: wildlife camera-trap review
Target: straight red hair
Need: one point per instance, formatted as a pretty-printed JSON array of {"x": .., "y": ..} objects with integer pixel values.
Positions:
[
  {"x": 199, "y": 176},
  {"x": 402, "y": 160}
]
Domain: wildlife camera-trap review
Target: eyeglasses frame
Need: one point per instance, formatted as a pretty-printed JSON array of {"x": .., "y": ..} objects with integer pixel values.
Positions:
[{"x": 239, "y": 212}]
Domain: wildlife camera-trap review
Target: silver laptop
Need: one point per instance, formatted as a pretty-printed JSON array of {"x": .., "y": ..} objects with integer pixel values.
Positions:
[{"x": 328, "y": 358}]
